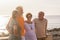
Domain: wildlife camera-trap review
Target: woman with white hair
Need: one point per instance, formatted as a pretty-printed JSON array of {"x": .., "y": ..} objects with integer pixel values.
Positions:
[{"x": 13, "y": 27}]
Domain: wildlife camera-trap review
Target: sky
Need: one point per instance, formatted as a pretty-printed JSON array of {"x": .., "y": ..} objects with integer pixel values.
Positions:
[{"x": 50, "y": 7}]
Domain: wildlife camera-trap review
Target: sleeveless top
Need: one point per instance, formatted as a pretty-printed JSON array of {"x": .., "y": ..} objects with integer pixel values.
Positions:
[{"x": 11, "y": 25}]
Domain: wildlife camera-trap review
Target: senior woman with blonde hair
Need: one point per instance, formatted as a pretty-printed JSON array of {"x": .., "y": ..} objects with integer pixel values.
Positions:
[{"x": 13, "y": 27}]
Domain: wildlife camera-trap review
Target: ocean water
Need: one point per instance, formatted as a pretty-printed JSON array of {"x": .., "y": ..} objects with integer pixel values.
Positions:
[{"x": 53, "y": 22}]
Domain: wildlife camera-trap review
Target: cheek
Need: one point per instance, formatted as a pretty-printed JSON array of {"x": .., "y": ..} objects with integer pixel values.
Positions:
[
  {"x": 29, "y": 18},
  {"x": 40, "y": 17},
  {"x": 19, "y": 11}
]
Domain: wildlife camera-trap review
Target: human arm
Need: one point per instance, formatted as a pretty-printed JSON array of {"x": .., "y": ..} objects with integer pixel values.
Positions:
[
  {"x": 7, "y": 27},
  {"x": 46, "y": 26}
]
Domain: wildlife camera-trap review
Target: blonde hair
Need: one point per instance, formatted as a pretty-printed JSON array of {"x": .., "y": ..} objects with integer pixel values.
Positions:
[
  {"x": 19, "y": 7},
  {"x": 14, "y": 13}
]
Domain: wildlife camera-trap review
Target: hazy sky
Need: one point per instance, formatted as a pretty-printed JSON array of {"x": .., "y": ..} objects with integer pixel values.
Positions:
[{"x": 50, "y": 7}]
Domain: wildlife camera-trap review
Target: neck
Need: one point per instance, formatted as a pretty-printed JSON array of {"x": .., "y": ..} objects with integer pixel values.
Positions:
[
  {"x": 29, "y": 21},
  {"x": 41, "y": 19},
  {"x": 20, "y": 15}
]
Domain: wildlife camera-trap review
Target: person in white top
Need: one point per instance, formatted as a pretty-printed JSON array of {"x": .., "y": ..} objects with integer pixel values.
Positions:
[{"x": 29, "y": 28}]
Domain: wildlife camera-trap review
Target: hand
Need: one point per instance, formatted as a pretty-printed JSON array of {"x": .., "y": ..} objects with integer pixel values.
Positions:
[
  {"x": 15, "y": 32},
  {"x": 15, "y": 27},
  {"x": 23, "y": 38},
  {"x": 9, "y": 31}
]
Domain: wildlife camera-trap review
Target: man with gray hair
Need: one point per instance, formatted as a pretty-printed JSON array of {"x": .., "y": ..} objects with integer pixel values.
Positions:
[
  {"x": 20, "y": 20},
  {"x": 40, "y": 26}
]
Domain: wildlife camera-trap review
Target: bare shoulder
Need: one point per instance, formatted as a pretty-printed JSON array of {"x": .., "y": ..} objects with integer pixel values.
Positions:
[
  {"x": 35, "y": 19},
  {"x": 45, "y": 19},
  {"x": 25, "y": 21}
]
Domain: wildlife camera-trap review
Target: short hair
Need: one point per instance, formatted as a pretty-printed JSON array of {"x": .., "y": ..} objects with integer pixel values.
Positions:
[
  {"x": 28, "y": 14},
  {"x": 41, "y": 12},
  {"x": 19, "y": 7}
]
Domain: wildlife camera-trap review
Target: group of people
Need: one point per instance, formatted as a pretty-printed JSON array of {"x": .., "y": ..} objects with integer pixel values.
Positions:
[{"x": 26, "y": 30}]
